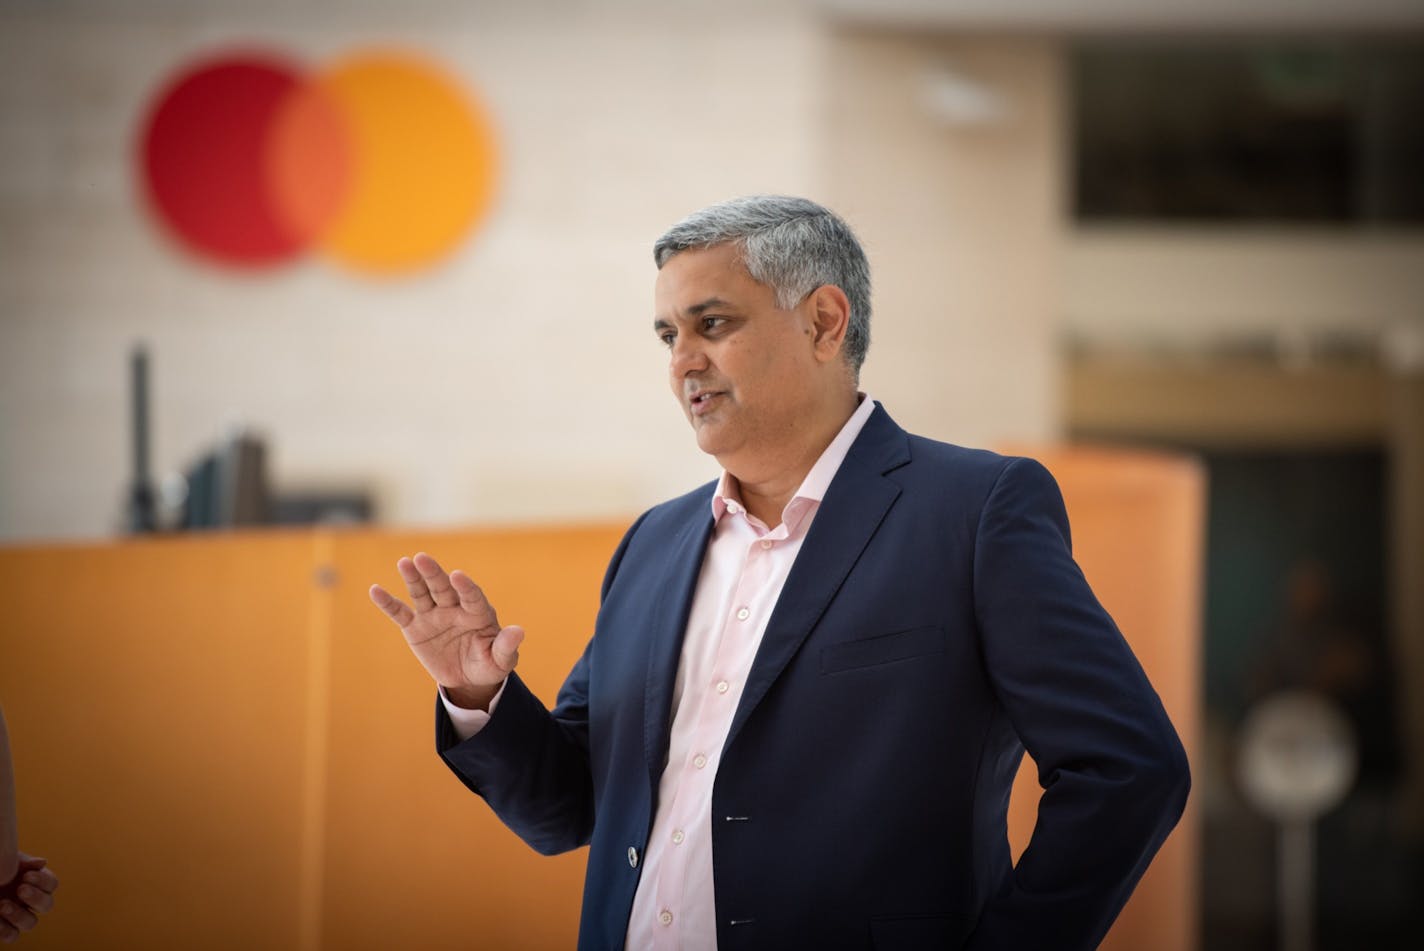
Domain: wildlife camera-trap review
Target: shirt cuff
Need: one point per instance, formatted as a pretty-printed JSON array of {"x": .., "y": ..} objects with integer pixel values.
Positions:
[{"x": 469, "y": 722}]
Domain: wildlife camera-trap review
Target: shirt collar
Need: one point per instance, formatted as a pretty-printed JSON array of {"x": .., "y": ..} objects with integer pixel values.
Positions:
[{"x": 728, "y": 498}]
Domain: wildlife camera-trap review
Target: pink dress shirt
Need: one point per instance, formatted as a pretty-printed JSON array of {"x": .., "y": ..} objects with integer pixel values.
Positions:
[{"x": 743, "y": 572}]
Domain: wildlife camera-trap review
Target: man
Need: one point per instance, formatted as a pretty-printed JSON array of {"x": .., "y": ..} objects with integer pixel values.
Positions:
[{"x": 811, "y": 682}]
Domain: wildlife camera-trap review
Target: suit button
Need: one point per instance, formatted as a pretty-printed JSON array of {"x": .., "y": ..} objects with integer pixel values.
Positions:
[{"x": 632, "y": 857}]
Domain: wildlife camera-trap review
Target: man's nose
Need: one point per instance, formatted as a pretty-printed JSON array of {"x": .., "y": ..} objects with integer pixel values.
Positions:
[{"x": 687, "y": 356}]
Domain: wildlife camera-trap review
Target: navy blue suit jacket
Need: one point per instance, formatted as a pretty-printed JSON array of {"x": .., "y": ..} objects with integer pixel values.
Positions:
[{"x": 933, "y": 626}]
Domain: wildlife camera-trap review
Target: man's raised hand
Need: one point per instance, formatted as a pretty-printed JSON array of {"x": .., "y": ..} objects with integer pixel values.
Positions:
[{"x": 452, "y": 630}]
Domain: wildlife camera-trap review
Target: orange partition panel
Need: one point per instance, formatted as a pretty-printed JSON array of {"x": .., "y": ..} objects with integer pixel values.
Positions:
[
  {"x": 221, "y": 743},
  {"x": 1137, "y": 520},
  {"x": 155, "y": 693}
]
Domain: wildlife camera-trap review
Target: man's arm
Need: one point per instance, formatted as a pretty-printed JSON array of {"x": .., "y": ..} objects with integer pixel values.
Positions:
[
  {"x": 530, "y": 765},
  {"x": 1114, "y": 774}
]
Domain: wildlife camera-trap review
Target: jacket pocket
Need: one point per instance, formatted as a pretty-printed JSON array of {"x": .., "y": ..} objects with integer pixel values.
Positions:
[
  {"x": 915, "y": 932},
  {"x": 884, "y": 649}
]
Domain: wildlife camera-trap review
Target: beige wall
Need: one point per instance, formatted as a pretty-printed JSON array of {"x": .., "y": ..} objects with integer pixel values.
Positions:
[
  {"x": 519, "y": 381},
  {"x": 1189, "y": 285}
]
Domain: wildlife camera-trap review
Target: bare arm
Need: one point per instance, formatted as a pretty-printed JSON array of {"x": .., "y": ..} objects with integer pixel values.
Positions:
[{"x": 9, "y": 844}]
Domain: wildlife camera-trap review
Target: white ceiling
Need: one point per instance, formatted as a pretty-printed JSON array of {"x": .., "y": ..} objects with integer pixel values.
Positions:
[
  {"x": 1135, "y": 16},
  {"x": 1036, "y": 16}
]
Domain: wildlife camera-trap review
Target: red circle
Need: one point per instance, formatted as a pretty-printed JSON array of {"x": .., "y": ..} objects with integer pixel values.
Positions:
[{"x": 205, "y": 154}]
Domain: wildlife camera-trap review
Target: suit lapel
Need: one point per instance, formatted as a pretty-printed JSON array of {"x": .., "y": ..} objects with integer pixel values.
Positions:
[
  {"x": 855, "y": 504},
  {"x": 668, "y": 624}
]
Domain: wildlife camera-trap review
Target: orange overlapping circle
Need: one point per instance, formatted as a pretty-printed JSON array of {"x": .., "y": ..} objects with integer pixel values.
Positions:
[{"x": 380, "y": 161}]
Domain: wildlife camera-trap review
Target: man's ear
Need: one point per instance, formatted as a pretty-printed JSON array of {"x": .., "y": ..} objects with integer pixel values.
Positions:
[{"x": 830, "y": 317}]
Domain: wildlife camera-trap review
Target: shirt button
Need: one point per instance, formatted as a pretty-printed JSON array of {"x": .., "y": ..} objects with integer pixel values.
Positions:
[
  {"x": 766, "y": 543},
  {"x": 677, "y": 837},
  {"x": 632, "y": 857},
  {"x": 723, "y": 686},
  {"x": 743, "y": 614},
  {"x": 699, "y": 761},
  {"x": 665, "y": 917}
]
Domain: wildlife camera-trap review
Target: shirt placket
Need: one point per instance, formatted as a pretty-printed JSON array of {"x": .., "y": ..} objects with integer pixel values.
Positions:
[{"x": 716, "y": 701}]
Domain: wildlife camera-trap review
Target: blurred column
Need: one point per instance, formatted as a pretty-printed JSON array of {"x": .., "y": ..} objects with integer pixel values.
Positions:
[
  {"x": 946, "y": 151},
  {"x": 1404, "y": 355}
]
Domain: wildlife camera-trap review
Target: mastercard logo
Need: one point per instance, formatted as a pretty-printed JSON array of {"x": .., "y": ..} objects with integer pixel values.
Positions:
[{"x": 380, "y": 161}]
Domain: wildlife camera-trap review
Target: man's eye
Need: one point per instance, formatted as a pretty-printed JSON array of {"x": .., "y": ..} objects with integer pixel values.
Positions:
[
  {"x": 667, "y": 337},
  {"x": 712, "y": 323}
]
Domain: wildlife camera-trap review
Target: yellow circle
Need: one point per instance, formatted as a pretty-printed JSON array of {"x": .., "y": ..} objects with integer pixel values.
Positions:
[{"x": 423, "y": 163}]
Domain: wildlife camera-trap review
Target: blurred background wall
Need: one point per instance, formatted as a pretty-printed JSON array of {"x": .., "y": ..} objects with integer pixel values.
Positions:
[
  {"x": 464, "y": 391},
  {"x": 943, "y": 131},
  {"x": 1189, "y": 225}
]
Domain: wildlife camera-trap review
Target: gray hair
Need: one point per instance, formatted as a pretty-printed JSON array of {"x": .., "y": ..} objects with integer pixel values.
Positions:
[{"x": 791, "y": 245}]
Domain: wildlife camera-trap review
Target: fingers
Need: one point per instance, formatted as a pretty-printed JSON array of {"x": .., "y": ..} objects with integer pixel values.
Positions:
[
  {"x": 35, "y": 891},
  {"x": 430, "y": 587},
  {"x": 436, "y": 580},
  {"x": 39, "y": 902},
  {"x": 17, "y": 916},
  {"x": 415, "y": 584},
  {"x": 504, "y": 649},
  {"x": 395, "y": 609},
  {"x": 41, "y": 878},
  {"x": 472, "y": 598}
]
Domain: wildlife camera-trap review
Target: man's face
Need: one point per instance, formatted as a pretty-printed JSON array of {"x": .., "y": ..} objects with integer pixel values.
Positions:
[{"x": 741, "y": 367}]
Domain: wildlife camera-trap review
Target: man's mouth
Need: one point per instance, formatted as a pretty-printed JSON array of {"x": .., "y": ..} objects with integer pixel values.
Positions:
[{"x": 702, "y": 401}]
